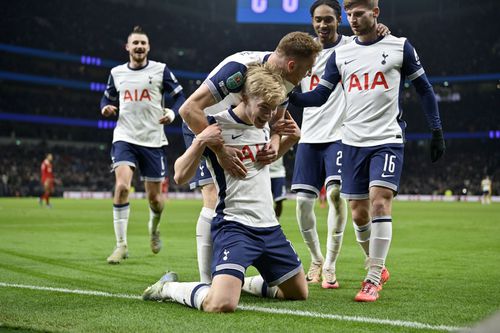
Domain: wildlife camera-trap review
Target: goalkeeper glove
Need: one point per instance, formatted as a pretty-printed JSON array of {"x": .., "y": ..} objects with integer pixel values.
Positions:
[{"x": 437, "y": 145}]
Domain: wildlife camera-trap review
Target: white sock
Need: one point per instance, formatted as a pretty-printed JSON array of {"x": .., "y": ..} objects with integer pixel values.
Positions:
[
  {"x": 154, "y": 220},
  {"x": 363, "y": 236},
  {"x": 204, "y": 244},
  {"x": 120, "y": 222},
  {"x": 380, "y": 242},
  {"x": 307, "y": 225},
  {"x": 191, "y": 294},
  {"x": 256, "y": 285},
  {"x": 337, "y": 219}
]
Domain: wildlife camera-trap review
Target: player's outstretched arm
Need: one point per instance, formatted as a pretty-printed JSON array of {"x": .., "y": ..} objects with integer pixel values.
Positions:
[
  {"x": 186, "y": 165},
  {"x": 192, "y": 109}
]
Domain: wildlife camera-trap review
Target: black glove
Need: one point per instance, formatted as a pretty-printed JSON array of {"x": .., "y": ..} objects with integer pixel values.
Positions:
[{"x": 437, "y": 145}]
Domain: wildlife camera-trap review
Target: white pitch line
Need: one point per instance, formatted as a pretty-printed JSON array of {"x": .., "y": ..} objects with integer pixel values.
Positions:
[{"x": 399, "y": 323}]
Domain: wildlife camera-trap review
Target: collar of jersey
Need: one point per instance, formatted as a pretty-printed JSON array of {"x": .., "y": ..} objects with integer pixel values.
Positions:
[
  {"x": 330, "y": 45},
  {"x": 236, "y": 118},
  {"x": 379, "y": 38},
  {"x": 266, "y": 58},
  {"x": 137, "y": 69}
]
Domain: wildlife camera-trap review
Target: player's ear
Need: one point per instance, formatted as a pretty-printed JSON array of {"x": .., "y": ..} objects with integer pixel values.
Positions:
[
  {"x": 291, "y": 65},
  {"x": 376, "y": 12},
  {"x": 126, "y": 47}
]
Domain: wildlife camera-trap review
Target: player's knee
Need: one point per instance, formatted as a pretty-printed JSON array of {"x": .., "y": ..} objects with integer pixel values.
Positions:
[
  {"x": 334, "y": 194},
  {"x": 380, "y": 206},
  {"x": 360, "y": 216},
  {"x": 154, "y": 199},
  {"x": 220, "y": 305},
  {"x": 122, "y": 189}
]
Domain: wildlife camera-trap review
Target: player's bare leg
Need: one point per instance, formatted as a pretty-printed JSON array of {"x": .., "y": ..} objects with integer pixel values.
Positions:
[
  {"x": 203, "y": 234},
  {"x": 295, "y": 288},
  {"x": 224, "y": 294},
  {"x": 155, "y": 199},
  {"x": 121, "y": 212}
]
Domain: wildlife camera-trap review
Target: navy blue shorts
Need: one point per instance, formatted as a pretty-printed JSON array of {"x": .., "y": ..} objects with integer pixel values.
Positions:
[
  {"x": 203, "y": 175},
  {"x": 316, "y": 164},
  {"x": 237, "y": 246},
  {"x": 364, "y": 167},
  {"x": 152, "y": 162},
  {"x": 278, "y": 187}
]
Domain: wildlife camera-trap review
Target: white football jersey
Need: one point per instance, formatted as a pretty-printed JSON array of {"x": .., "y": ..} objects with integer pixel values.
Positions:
[
  {"x": 486, "y": 185},
  {"x": 226, "y": 80},
  {"x": 139, "y": 93},
  {"x": 248, "y": 201},
  {"x": 277, "y": 168},
  {"x": 372, "y": 76},
  {"x": 323, "y": 124}
]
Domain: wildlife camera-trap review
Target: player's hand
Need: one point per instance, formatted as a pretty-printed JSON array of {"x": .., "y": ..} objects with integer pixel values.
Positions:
[
  {"x": 287, "y": 126},
  {"x": 211, "y": 136},
  {"x": 382, "y": 30},
  {"x": 437, "y": 145},
  {"x": 109, "y": 110},
  {"x": 230, "y": 160},
  {"x": 168, "y": 116},
  {"x": 268, "y": 154}
]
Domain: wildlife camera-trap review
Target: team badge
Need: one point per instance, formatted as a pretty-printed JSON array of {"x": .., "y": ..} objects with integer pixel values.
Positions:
[{"x": 234, "y": 81}]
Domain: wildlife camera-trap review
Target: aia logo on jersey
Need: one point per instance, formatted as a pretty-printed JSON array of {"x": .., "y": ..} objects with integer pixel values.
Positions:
[
  {"x": 314, "y": 81},
  {"x": 365, "y": 82},
  {"x": 248, "y": 154},
  {"x": 134, "y": 96}
]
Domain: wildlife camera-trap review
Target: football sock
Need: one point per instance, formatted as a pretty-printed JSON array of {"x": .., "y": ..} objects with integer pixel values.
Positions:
[
  {"x": 191, "y": 294},
  {"x": 120, "y": 222},
  {"x": 256, "y": 285},
  {"x": 337, "y": 219},
  {"x": 204, "y": 244},
  {"x": 307, "y": 225},
  {"x": 363, "y": 236},
  {"x": 380, "y": 241},
  {"x": 154, "y": 220}
]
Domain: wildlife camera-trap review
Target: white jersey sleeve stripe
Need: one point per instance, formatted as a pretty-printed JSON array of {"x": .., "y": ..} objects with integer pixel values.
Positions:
[
  {"x": 325, "y": 83},
  {"x": 416, "y": 74},
  {"x": 176, "y": 91},
  {"x": 213, "y": 90}
]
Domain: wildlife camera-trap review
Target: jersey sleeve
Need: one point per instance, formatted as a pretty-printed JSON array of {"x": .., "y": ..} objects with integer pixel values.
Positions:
[
  {"x": 228, "y": 79},
  {"x": 413, "y": 70},
  {"x": 326, "y": 85},
  {"x": 110, "y": 95},
  {"x": 171, "y": 85}
]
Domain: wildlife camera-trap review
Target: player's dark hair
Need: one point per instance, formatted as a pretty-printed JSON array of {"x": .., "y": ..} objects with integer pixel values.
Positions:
[
  {"x": 137, "y": 30},
  {"x": 368, "y": 3},
  {"x": 334, "y": 4}
]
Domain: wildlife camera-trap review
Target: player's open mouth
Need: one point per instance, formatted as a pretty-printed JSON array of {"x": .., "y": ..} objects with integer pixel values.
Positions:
[{"x": 324, "y": 33}]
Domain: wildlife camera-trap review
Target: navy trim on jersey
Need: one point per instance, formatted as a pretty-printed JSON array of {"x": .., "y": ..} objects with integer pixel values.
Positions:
[
  {"x": 266, "y": 58},
  {"x": 412, "y": 68},
  {"x": 329, "y": 46},
  {"x": 220, "y": 178},
  {"x": 137, "y": 69},
  {"x": 236, "y": 118},
  {"x": 219, "y": 80},
  {"x": 368, "y": 43},
  {"x": 170, "y": 83},
  {"x": 110, "y": 96}
]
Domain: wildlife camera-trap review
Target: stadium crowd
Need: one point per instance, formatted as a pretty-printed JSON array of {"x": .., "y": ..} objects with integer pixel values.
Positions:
[{"x": 471, "y": 108}]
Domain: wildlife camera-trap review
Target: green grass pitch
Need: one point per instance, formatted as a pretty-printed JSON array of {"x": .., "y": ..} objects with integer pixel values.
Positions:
[{"x": 444, "y": 263}]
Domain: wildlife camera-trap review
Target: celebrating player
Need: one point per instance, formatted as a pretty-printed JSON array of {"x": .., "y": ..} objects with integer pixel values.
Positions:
[
  {"x": 371, "y": 71},
  {"x": 319, "y": 153},
  {"x": 486, "y": 189},
  {"x": 294, "y": 57},
  {"x": 47, "y": 180},
  {"x": 245, "y": 230},
  {"x": 138, "y": 89}
]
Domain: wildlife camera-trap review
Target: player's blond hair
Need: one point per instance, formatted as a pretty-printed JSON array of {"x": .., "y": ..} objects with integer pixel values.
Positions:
[
  {"x": 265, "y": 81},
  {"x": 298, "y": 44},
  {"x": 348, "y": 4}
]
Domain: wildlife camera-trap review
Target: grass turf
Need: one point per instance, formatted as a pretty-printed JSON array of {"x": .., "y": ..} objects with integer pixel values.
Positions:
[{"x": 443, "y": 262}]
